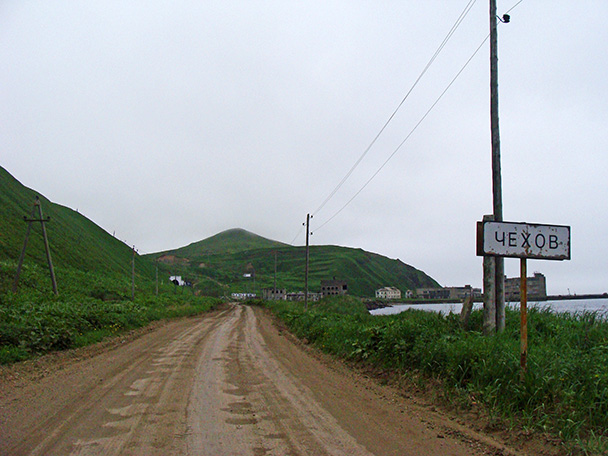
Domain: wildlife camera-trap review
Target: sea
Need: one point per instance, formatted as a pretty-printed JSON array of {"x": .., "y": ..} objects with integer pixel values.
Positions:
[{"x": 575, "y": 306}]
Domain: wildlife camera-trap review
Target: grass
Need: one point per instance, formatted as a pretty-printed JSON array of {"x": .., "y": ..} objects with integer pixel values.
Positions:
[
  {"x": 565, "y": 392},
  {"x": 89, "y": 308}
]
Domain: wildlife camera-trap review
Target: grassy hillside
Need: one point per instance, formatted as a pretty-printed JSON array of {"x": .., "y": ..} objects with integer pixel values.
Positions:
[
  {"x": 75, "y": 241},
  {"x": 217, "y": 266},
  {"x": 93, "y": 271}
]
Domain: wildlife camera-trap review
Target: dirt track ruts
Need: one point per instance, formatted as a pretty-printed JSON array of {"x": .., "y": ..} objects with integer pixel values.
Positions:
[{"x": 226, "y": 383}]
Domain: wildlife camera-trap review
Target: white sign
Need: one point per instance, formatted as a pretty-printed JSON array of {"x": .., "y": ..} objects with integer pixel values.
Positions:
[{"x": 523, "y": 240}]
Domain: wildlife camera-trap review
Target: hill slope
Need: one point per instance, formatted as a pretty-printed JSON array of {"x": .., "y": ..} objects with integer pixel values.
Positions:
[
  {"x": 217, "y": 265},
  {"x": 75, "y": 241}
]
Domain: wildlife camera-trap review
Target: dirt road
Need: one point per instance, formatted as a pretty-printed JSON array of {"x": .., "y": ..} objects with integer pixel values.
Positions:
[{"x": 226, "y": 383}]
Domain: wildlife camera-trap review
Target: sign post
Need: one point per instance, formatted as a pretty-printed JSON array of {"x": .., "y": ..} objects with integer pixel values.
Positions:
[
  {"x": 523, "y": 240},
  {"x": 523, "y": 314}
]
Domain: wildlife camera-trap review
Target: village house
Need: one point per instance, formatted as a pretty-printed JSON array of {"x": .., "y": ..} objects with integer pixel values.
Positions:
[
  {"x": 177, "y": 280},
  {"x": 333, "y": 287},
  {"x": 274, "y": 294},
  {"x": 299, "y": 296},
  {"x": 243, "y": 296},
  {"x": 451, "y": 293},
  {"x": 388, "y": 293}
]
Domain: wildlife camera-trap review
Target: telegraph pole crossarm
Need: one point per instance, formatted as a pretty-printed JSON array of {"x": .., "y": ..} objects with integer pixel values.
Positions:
[{"x": 37, "y": 207}]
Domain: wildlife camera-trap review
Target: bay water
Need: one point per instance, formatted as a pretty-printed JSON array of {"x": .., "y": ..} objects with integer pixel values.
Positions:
[{"x": 570, "y": 305}]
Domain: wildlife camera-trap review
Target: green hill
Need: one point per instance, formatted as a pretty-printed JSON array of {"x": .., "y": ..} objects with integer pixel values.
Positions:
[
  {"x": 229, "y": 241},
  {"x": 218, "y": 265},
  {"x": 75, "y": 241}
]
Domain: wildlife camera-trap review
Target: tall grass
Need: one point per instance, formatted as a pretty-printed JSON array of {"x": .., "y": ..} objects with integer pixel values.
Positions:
[
  {"x": 565, "y": 391},
  {"x": 89, "y": 308}
]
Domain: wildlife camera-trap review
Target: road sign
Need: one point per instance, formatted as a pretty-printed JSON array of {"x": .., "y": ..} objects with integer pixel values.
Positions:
[{"x": 523, "y": 240}]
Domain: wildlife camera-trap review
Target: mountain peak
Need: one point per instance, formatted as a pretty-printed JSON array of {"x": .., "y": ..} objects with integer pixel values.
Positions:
[{"x": 228, "y": 241}]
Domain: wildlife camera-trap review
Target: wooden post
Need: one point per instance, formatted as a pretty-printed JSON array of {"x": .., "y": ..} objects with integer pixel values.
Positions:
[
  {"x": 46, "y": 246},
  {"x": 523, "y": 290},
  {"x": 496, "y": 173},
  {"x": 465, "y": 313},
  {"x": 307, "y": 259},
  {"x": 489, "y": 293},
  {"x": 156, "y": 276},
  {"x": 42, "y": 220},
  {"x": 274, "y": 293},
  {"x": 133, "y": 276}
]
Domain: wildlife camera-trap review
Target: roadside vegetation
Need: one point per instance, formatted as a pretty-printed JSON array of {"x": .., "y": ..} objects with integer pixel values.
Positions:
[
  {"x": 564, "y": 395},
  {"x": 90, "y": 307}
]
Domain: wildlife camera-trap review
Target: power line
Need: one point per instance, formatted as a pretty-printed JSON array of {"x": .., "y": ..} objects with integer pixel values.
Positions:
[
  {"x": 408, "y": 136},
  {"x": 514, "y": 6},
  {"x": 463, "y": 14},
  {"x": 297, "y": 235}
]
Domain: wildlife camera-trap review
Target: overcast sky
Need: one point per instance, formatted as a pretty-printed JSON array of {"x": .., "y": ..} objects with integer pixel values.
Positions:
[{"x": 168, "y": 122}]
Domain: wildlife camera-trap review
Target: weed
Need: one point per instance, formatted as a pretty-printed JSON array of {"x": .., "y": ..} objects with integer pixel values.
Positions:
[{"x": 89, "y": 308}]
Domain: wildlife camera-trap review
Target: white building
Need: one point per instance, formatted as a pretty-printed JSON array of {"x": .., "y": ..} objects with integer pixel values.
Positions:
[
  {"x": 177, "y": 280},
  {"x": 243, "y": 296},
  {"x": 388, "y": 293}
]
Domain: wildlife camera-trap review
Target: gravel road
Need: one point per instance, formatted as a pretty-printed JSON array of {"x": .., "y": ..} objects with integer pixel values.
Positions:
[{"x": 230, "y": 382}]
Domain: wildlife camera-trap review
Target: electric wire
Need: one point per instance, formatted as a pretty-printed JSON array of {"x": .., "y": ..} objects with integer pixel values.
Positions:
[
  {"x": 513, "y": 7},
  {"x": 462, "y": 16},
  {"x": 408, "y": 135},
  {"x": 448, "y": 36},
  {"x": 297, "y": 235}
]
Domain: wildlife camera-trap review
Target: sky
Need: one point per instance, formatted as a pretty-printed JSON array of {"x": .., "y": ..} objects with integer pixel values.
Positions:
[{"x": 169, "y": 122}]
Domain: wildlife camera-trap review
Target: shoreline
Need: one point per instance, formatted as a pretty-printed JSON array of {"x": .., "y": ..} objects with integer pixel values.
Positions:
[{"x": 376, "y": 304}]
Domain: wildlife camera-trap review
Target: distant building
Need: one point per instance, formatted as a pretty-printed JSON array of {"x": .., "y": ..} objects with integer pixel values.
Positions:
[
  {"x": 461, "y": 293},
  {"x": 274, "y": 294},
  {"x": 537, "y": 287},
  {"x": 299, "y": 296},
  {"x": 433, "y": 293},
  {"x": 177, "y": 280},
  {"x": 243, "y": 296},
  {"x": 388, "y": 293},
  {"x": 333, "y": 287},
  {"x": 454, "y": 293}
]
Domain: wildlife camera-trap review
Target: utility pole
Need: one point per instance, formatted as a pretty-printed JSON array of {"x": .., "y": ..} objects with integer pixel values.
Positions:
[
  {"x": 133, "y": 276},
  {"x": 499, "y": 266},
  {"x": 274, "y": 294},
  {"x": 42, "y": 220},
  {"x": 156, "y": 276},
  {"x": 307, "y": 258}
]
